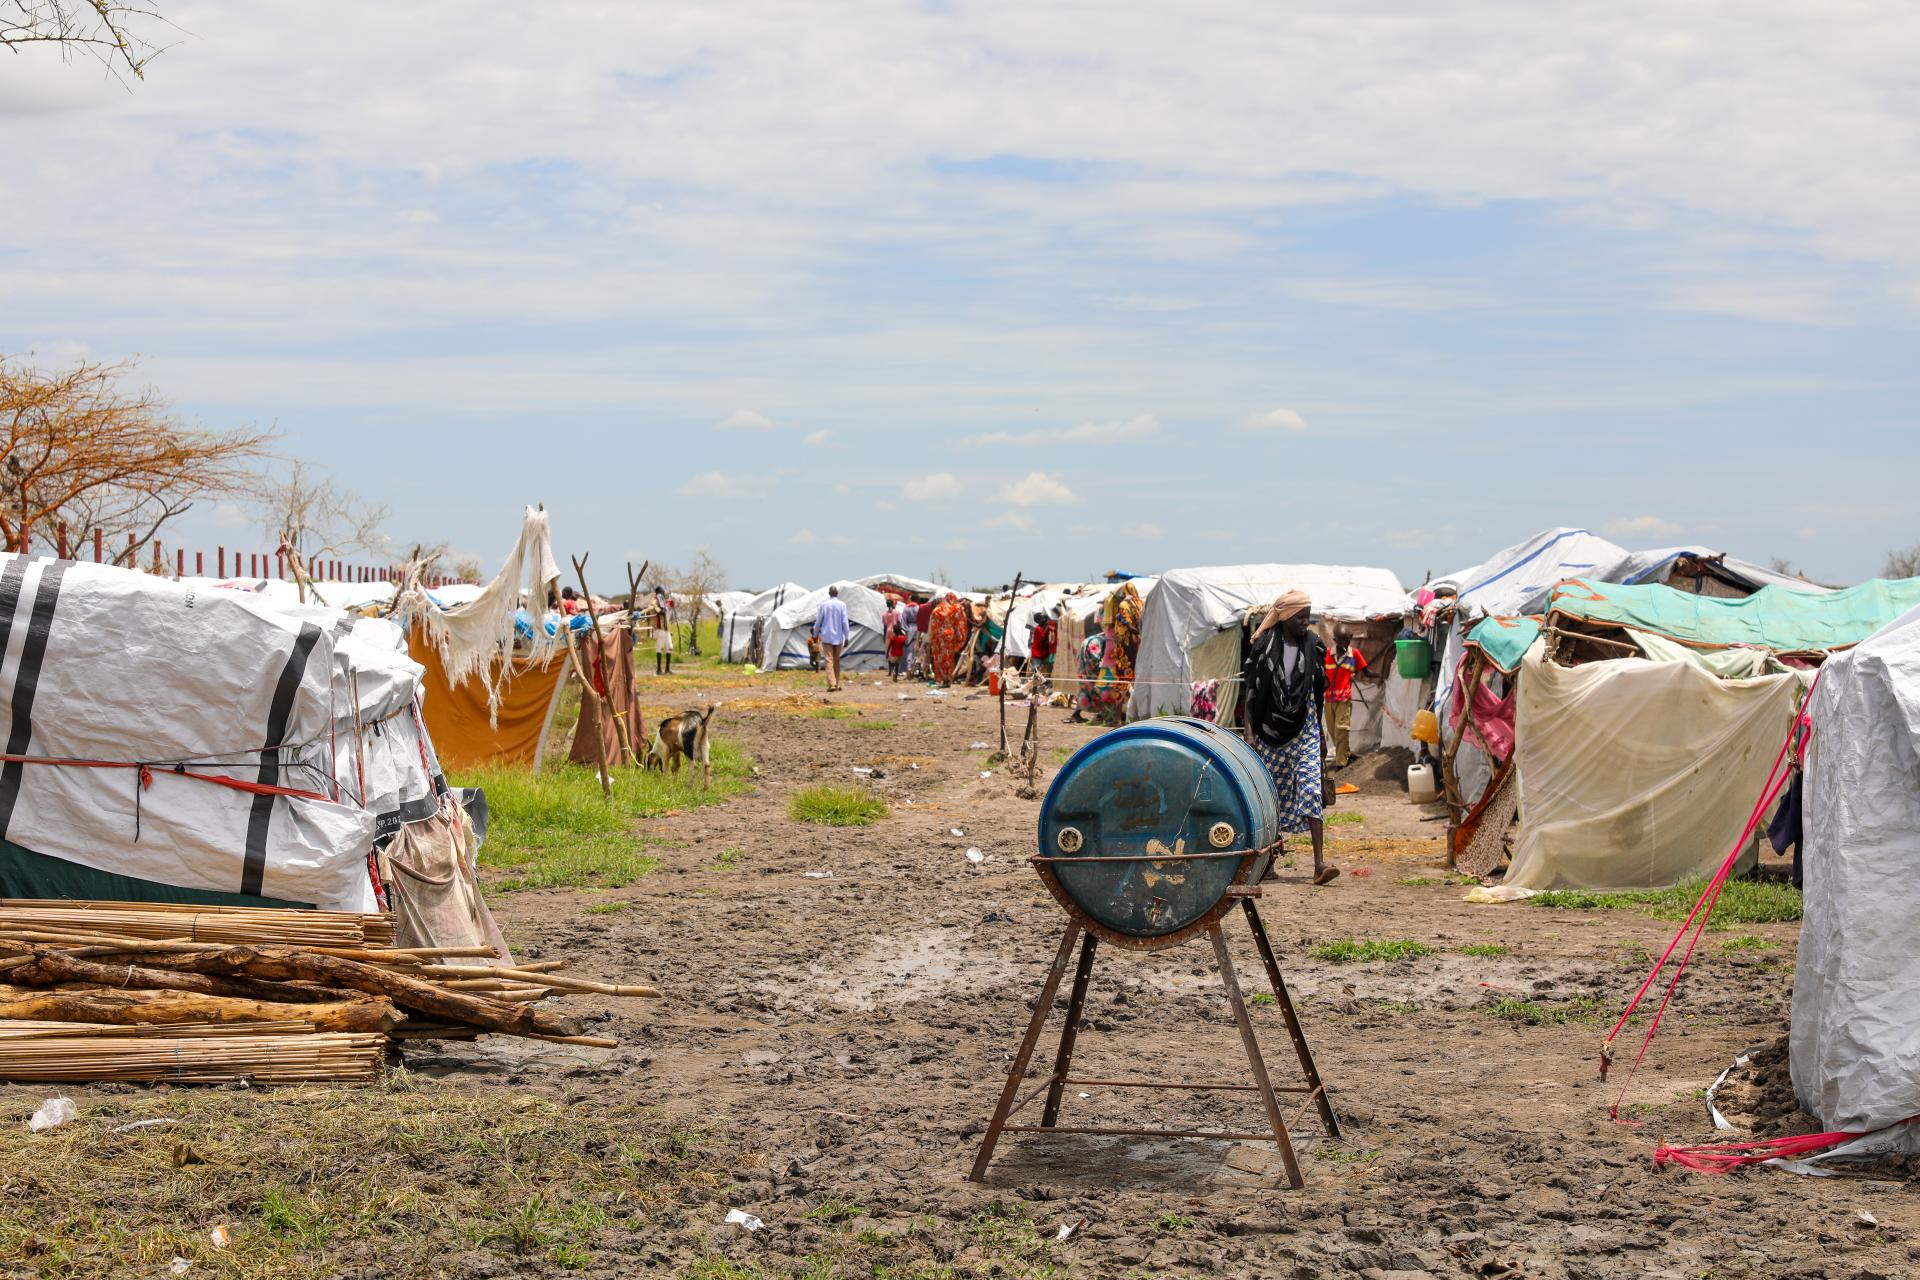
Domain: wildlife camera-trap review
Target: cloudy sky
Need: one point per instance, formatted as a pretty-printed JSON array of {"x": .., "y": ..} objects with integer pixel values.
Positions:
[{"x": 834, "y": 289}]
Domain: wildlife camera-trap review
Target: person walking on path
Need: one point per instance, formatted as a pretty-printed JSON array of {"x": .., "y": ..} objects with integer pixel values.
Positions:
[
  {"x": 1344, "y": 662},
  {"x": 949, "y": 634},
  {"x": 832, "y": 625},
  {"x": 910, "y": 630},
  {"x": 893, "y": 633},
  {"x": 662, "y": 632},
  {"x": 923, "y": 638},
  {"x": 1284, "y": 679}
]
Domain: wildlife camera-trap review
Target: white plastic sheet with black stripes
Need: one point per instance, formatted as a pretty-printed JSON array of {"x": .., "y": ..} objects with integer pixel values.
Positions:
[{"x": 200, "y": 737}]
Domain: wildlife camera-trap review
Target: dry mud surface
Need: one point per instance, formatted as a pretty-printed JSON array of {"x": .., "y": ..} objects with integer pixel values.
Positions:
[{"x": 849, "y": 1033}]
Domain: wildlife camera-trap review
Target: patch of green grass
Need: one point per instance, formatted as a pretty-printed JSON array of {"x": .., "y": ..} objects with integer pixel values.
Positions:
[
  {"x": 1748, "y": 942},
  {"x": 1262, "y": 997},
  {"x": 554, "y": 829},
  {"x": 730, "y": 857},
  {"x": 832, "y": 713},
  {"x": 837, "y": 806},
  {"x": 1486, "y": 950},
  {"x": 1061, "y": 755},
  {"x": 1366, "y": 951},
  {"x": 1741, "y": 901},
  {"x": 1534, "y": 1014},
  {"x": 608, "y": 908},
  {"x": 1424, "y": 881},
  {"x": 1172, "y": 1221},
  {"x": 1397, "y": 1008},
  {"x": 831, "y": 1211},
  {"x": 1346, "y": 819}
]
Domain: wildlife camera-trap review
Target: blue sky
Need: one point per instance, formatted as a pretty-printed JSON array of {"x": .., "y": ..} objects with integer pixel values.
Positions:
[{"x": 986, "y": 287}]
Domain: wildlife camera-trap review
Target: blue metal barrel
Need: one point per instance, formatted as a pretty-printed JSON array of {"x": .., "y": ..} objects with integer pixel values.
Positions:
[{"x": 1164, "y": 786}]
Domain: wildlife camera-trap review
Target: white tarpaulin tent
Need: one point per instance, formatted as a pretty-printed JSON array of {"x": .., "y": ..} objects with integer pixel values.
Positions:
[
  {"x": 790, "y": 624},
  {"x": 229, "y": 706},
  {"x": 736, "y": 628},
  {"x": 1636, "y": 774},
  {"x": 1855, "y": 1047},
  {"x": 1191, "y": 606},
  {"x": 919, "y": 587}
]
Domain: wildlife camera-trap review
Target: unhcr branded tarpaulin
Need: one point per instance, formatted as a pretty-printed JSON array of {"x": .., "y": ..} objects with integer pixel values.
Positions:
[{"x": 172, "y": 736}]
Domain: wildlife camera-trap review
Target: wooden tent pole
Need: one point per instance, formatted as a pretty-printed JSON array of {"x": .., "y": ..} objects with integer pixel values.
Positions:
[
  {"x": 599, "y": 703},
  {"x": 1001, "y": 662}
]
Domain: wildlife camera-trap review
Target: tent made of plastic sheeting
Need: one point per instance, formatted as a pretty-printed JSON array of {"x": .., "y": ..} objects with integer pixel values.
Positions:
[
  {"x": 1027, "y": 608},
  {"x": 1780, "y": 619},
  {"x": 455, "y": 594},
  {"x": 1636, "y": 774},
  {"x": 1704, "y": 572},
  {"x": 458, "y": 719},
  {"x": 793, "y": 621},
  {"x": 211, "y": 719},
  {"x": 1856, "y": 988},
  {"x": 1192, "y": 606},
  {"x": 737, "y": 629},
  {"x": 918, "y": 588}
]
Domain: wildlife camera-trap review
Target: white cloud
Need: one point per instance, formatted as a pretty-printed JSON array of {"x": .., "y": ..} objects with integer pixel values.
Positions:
[
  {"x": 1642, "y": 526},
  {"x": 1037, "y": 489},
  {"x": 1275, "y": 420},
  {"x": 718, "y": 484},
  {"x": 1150, "y": 532},
  {"x": 816, "y": 439},
  {"x": 744, "y": 420},
  {"x": 1014, "y": 520},
  {"x": 937, "y": 487},
  {"x": 808, "y": 538},
  {"x": 1136, "y": 428}
]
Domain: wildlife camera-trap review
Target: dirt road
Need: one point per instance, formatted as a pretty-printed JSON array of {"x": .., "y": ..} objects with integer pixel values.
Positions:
[{"x": 843, "y": 1004}]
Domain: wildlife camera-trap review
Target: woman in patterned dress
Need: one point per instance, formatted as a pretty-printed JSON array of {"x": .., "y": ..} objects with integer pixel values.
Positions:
[
  {"x": 1285, "y": 682},
  {"x": 949, "y": 633}
]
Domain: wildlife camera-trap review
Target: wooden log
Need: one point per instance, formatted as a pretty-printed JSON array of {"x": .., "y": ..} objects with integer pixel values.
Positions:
[
  {"x": 145, "y": 1008},
  {"x": 286, "y": 964},
  {"x": 49, "y": 967}
]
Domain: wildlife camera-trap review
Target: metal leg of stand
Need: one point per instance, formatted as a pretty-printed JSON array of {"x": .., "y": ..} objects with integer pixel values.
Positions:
[
  {"x": 1076, "y": 1006},
  {"x": 1298, "y": 1036},
  {"x": 1254, "y": 1060},
  {"x": 1041, "y": 1009}
]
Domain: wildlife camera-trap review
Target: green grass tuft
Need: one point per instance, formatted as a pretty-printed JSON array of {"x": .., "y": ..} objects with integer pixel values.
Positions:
[
  {"x": 1356, "y": 951},
  {"x": 1741, "y": 901},
  {"x": 554, "y": 829},
  {"x": 1348, "y": 819},
  {"x": 1533, "y": 1014},
  {"x": 608, "y": 908},
  {"x": 1486, "y": 949},
  {"x": 837, "y": 806},
  {"x": 1748, "y": 942}
]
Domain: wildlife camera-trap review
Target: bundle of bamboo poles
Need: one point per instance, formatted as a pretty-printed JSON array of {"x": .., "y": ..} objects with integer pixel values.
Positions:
[
  {"x": 203, "y": 924},
  {"x": 119, "y": 991}
]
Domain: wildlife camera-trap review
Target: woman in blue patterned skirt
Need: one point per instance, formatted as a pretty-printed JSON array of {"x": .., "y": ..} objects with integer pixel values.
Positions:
[{"x": 1285, "y": 685}]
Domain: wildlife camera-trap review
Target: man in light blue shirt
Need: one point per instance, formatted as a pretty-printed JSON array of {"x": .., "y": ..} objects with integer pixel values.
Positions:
[{"x": 832, "y": 627}]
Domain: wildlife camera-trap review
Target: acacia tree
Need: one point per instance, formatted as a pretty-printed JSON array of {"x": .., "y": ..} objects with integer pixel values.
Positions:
[
  {"x": 700, "y": 579},
  {"x": 78, "y": 449},
  {"x": 114, "y": 31}
]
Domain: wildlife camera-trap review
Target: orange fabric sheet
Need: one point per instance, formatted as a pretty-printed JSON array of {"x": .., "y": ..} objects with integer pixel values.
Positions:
[{"x": 457, "y": 717}]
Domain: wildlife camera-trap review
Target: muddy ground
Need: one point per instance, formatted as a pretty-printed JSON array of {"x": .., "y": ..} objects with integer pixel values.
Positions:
[
  {"x": 843, "y": 1036},
  {"x": 856, "y": 1027}
]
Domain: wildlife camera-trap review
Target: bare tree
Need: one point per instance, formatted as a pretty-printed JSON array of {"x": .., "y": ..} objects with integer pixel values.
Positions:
[
  {"x": 1902, "y": 563},
  {"x": 1782, "y": 565},
  {"x": 468, "y": 569},
  {"x": 79, "y": 450},
  {"x": 114, "y": 31},
  {"x": 701, "y": 578},
  {"x": 317, "y": 519}
]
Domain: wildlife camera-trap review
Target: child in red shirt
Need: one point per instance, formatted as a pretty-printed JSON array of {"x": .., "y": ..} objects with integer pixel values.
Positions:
[{"x": 1343, "y": 664}]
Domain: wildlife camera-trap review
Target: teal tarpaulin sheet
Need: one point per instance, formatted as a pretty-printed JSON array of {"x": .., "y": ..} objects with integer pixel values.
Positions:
[
  {"x": 1775, "y": 618},
  {"x": 1506, "y": 640}
]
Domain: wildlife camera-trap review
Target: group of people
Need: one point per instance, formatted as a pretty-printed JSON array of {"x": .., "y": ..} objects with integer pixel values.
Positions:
[{"x": 928, "y": 638}]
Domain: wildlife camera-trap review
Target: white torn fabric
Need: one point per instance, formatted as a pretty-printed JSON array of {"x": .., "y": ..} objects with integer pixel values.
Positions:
[
  {"x": 470, "y": 637},
  {"x": 1856, "y": 987}
]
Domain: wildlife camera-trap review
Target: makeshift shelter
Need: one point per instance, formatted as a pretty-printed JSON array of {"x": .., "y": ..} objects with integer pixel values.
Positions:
[
  {"x": 174, "y": 743},
  {"x": 743, "y": 632},
  {"x": 1192, "y": 630},
  {"x": 1080, "y": 611},
  {"x": 1856, "y": 986},
  {"x": 613, "y": 729},
  {"x": 1644, "y": 718},
  {"x": 901, "y": 585},
  {"x": 790, "y": 624}
]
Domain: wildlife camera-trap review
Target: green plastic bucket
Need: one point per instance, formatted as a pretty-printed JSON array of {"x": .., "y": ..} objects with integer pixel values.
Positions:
[{"x": 1413, "y": 657}]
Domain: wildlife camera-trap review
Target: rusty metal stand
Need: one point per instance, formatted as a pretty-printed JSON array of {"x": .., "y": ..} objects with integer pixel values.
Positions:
[{"x": 1055, "y": 1085}]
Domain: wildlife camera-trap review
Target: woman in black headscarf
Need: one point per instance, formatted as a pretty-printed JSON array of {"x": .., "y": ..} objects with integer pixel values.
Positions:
[{"x": 1284, "y": 682}]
